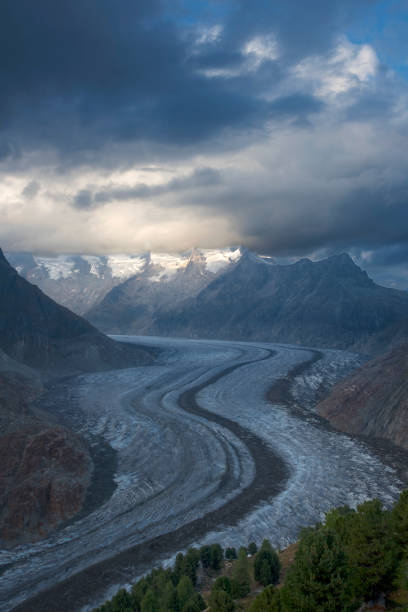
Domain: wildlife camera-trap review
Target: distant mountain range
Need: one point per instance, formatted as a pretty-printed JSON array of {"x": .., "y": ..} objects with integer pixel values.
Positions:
[
  {"x": 80, "y": 282},
  {"x": 229, "y": 294}
]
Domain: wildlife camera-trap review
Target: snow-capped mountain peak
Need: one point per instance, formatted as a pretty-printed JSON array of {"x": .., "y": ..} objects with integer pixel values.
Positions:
[{"x": 81, "y": 281}]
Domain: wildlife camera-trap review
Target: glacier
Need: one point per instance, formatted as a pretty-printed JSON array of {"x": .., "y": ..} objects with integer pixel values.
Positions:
[{"x": 176, "y": 468}]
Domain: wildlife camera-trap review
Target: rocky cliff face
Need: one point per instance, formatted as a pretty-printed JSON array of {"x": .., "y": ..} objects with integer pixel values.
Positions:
[
  {"x": 45, "y": 469},
  {"x": 374, "y": 400},
  {"x": 42, "y": 334}
]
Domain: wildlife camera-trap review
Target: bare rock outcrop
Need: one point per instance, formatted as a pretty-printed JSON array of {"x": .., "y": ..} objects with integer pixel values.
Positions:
[
  {"x": 45, "y": 469},
  {"x": 374, "y": 400}
]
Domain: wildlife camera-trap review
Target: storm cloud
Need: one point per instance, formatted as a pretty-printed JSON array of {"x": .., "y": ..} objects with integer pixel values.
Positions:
[{"x": 153, "y": 124}]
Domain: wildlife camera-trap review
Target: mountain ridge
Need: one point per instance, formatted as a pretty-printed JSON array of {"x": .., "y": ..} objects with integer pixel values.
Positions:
[
  {"x": 235, "y": 294},
  {"x": 38, "y": 332},
  {"x": 81, "y": 281},
  {"x": 329, "y": 303}
]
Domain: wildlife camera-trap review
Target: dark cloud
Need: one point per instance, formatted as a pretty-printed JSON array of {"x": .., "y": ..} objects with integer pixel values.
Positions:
[
  {"x": 31, "y": 189},
  {"x": 200, "y": 178},
  {"x": 83, "y": 199},
  {"x": 8, "y": 152},
  {"x": 120, "y": 85},
  {"x": 392, "y": 255},
  {"x": 81, "y": 75}
]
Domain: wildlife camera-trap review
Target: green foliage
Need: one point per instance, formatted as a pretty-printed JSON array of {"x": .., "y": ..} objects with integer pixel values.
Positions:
[
  {"x": 195, "y": 604},
  {"x": 267, "y": 565},
  {"x": 265, "y": 574},
  {"x": 339, "y": 520},
  {"x": 150, "y": 602},
  {"x": 231, "y": 553},
  {"x": 178, "y": 568},
  {"x": 401, "y": 575},
  {"x": 184, "y": 590},
  {"x": 190, "y": 564},
  {"x": 267, "y": 601},
  {"x": 169, "y": 598},
  {"x": 240, "y": 574},
  {"x": 217, "y": 556},
  {"x": 139, "y": 590},
  {"x": 121, "y": 602},
  {"x": 220, "y": 601},
  {"x": 211, "y": 556},
  {"x": 222, "y": 583},
  {"x": 318, "y": 580},
  {"x": 197, "y": 598},
  {"x": 353, "y": 557},
  {"x": 372, "y": 551},
  {"x": 399, "y": 518},
  {"x": 252, "y": 548},
  {"x": 205, "y": 556}
]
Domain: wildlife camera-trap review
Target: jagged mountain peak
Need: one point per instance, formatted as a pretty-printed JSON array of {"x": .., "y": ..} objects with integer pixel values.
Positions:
[{"x": 341, "y": 259}]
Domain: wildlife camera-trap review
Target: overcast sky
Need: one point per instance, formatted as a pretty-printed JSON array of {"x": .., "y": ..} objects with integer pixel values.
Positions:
[{"x": 134, "y": 125}]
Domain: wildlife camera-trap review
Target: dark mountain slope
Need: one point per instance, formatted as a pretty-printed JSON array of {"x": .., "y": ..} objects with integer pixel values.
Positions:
[
  {"x": 45, "y": 469},
  {"x": 329, "y": 303},
  {"x": 40, "y": 333},
  {"x": 374, "y": 400}
]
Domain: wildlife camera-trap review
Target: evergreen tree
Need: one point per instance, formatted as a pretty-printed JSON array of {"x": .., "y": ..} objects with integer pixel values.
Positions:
[
  {"x": 241, "y": 574},
  {"x": 195, "y": 604},
  {"x": 190, "y": 606},
  {"x": 178, "y": 568},
  {"x": 197, "y": 598},
  {"x": 318, "y": 580},
  {"x": 106, "y": 607},
  {"x": 205, "y": 556},
  {"x": 138, "y": 592},
  {"x": 150, "y": 603},
  {"x": 267, "y": 556},
  {"x": 121, "y": 602},
  {"x": 222, "y": 583},
  {"x": 252, "y": 548},
  {"x": 190, "y": 564},
  {"x": 339, "y": 519},
  {"x": 184, "y": 590},
  {"x": 400, "y": 521},
  {"x": 217, "y": 556},
  {"x": 265, "y": 575},
  {"x": 220, "y": 601},
  {"x": 231, "y": 553},
  {"x": 267, "y": 601},
  {"x": 170, "y": 599},
  {"x": 371, "y": 549}
]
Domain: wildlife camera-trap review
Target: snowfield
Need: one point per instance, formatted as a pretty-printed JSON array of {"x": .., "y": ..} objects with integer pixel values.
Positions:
[{"x": 174, "y": 466}]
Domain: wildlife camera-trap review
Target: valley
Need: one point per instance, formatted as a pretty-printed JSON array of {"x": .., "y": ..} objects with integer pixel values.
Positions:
[{"x": 200, "y": 454}]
